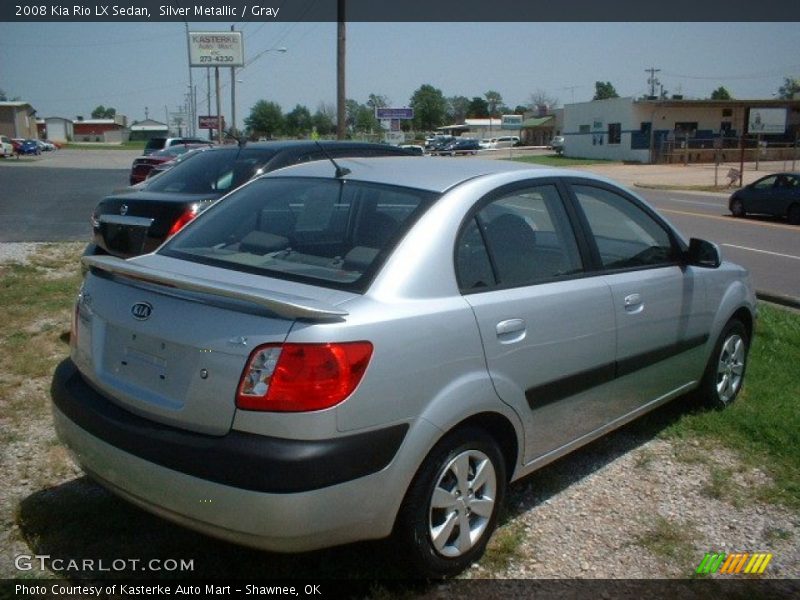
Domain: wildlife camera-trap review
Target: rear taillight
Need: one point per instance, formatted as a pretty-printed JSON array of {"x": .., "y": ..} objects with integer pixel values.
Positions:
[
  {"x": 186, "y": 216},
  {"x": 302, "y": 377}
]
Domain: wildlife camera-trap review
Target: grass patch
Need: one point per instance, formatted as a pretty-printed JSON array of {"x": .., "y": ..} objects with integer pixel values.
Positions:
[
  {"x": 37, "y": 298},
  {"x": 668, "y": 539},
  {"x": 503, "y": 547},
  {"x": 721, "y": 486},
  {"x": 691, "y": 455},
  {"x": 644, "y": 458},
  {"x": 763, "y": 425},
  {"x": 554, "y": 160}
]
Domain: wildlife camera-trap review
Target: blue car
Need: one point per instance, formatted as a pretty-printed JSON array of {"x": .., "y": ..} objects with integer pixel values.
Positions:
[{"x": 29, "y": 147}]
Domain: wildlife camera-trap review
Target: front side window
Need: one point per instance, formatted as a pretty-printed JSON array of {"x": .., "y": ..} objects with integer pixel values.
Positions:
[
  {"x": 626, "y": 236},
  {"x": 522, "y": 238},
  {"x": 767, "y": 183},
  {"x": 320, "y": 231}
]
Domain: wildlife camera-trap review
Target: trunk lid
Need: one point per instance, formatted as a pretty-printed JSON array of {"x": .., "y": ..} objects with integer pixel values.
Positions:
[
  {"x": 138, "y": 222},
  {"x": 170, "y": 345}
]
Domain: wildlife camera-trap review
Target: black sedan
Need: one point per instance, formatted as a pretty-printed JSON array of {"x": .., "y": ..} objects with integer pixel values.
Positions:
[
  {"x": 777, "y": 195},
  {"x": 461, "y": 146},
  {"x": 138, "y": 221}
]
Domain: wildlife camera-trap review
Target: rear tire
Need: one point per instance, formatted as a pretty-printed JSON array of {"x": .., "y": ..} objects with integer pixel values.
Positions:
[
  {"x": 724, "y": 375},
  {"x": 793, "y": 214},
  {"x": 452, "y": 505},
  {"x": 737, "y": 208}
]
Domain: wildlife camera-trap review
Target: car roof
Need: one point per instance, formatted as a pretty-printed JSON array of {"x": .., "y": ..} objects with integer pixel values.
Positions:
[{"x": 417, "y": 172}]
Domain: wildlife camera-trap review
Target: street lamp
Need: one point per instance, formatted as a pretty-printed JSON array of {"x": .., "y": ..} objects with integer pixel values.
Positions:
[{"x": 281, "y": 50}]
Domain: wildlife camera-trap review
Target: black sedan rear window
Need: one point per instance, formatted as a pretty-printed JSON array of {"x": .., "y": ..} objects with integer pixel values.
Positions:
[
  {"x": 322, "y": 231},
  {"x": 213, "y": 172}
]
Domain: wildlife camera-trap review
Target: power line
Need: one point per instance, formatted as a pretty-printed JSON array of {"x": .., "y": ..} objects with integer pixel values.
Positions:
[{"x": 762, "y": 75}]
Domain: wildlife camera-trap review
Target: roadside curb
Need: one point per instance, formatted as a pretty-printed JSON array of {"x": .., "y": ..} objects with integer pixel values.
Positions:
[
  {"x": 778, "y": 299},
  {"x": 671, "y": 188}
]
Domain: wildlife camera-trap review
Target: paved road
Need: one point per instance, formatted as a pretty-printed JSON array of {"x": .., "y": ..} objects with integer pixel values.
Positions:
[
  {"x": 769, "y": 248},
  {"x": 45, "y": 204}
]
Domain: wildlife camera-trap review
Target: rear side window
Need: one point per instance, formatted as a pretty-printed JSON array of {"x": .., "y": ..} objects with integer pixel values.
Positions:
[
  {"x": 626, "y": 236},
  {"x": 522, "y": 238},
  {"x": 320, "y": 231},
  {"x": 213, "y": 171}
]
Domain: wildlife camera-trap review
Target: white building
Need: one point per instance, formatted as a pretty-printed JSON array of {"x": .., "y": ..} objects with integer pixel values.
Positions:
[
  {"x": 662, "y": 130},
  {"x": 59, "y": 129}
]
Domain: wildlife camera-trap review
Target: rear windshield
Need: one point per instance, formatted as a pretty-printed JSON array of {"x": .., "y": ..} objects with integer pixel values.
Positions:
[
  {"x": 322, "y": 231},
  {"x": 213, "y": 171},
  {"x": 155, "y": 143}
]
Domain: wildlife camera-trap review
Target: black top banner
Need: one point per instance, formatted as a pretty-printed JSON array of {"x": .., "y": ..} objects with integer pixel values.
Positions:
[{"x": 401, "y": 10}]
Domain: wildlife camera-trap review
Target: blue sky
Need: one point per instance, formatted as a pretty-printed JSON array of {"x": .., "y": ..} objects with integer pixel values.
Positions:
[{"x": 66, "y": 69}]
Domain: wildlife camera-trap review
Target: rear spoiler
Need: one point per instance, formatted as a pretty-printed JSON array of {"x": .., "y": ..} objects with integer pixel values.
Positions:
[{"x": 285, "y": 305}]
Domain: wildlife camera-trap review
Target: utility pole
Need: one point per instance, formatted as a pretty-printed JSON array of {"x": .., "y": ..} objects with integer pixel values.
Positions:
[
  {"x": 571, "y": 89},
  {"x": 233, "y": 97},
  {"x": 219, "y": 108},
  {"x": 652, "y": 80},
  {"x": 208, "y": 101},
  {"x": 191, "y": 83},
  {"x": 340, "y": 57}
]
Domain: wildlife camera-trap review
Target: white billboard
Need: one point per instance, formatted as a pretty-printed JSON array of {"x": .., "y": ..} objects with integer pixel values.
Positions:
[
  {"x": 216, "y": 49},
  {"x": 766, "y": 120}
]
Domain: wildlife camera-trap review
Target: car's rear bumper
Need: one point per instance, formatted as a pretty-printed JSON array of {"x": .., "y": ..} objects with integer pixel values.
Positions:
[{"x": 283, "y": 495}]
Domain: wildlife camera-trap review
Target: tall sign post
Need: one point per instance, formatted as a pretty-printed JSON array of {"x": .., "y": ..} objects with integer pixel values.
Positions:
[
  {"x": 216, "y": 49},
  {"x": 390, "y": 120}
]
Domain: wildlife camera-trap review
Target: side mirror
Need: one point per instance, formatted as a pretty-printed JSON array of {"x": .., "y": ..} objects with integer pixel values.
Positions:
[{"x": 703, "y": 254}]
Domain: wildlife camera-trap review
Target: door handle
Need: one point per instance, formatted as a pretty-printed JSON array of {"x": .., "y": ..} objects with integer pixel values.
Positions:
[
  {"x": 634, "y": 303},
  {"x": 511, "y": 330}
]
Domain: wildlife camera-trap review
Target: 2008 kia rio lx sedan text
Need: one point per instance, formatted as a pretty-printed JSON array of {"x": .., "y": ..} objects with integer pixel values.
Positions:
[{"x": 338, "y": 352}]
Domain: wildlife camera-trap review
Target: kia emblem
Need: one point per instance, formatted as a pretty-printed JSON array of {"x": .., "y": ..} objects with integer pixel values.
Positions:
[
  {"x": 123, "y": 210},
  {"x": 141, "y": 311}
]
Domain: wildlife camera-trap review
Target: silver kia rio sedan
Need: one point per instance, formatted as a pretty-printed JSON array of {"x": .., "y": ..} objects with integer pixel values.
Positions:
[{"x": 340, "y": 352}]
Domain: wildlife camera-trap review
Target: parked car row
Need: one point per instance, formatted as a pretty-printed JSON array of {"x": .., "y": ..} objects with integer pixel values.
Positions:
[
  {"x": 138, "y": 221},
  {"x": 354, "y": 343},
  {"x": 25, "y": 146}
]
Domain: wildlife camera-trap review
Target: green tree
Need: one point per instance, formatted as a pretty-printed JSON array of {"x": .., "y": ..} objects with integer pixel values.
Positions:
[
  {"x": 324, "y": 118},
  {"x": 494, "y": 101},
  {"x": 351, "y": 109},
  {"x": 478, "y": 108},
  {"x": 365, "y": 119},
  {"x": 604, "y": 90},
  {"x": 430, "y": 107},
  {"x": 790, "y": 87},
  {"x": 266, "y": 119},
  {"x": 298, "y": 121},
  {"x": 101, "y": 112},
  {"x": 721, "y": 94},
  {"x": 520, "y": 110},
  {"x": 377, "y": 101},
  {"x": 457, "y": 107}
]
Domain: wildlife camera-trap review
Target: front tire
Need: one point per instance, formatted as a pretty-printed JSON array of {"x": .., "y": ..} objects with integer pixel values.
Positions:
[
  {"x": 452, "y": 505},
  {"x": 737, "y": 208},
  {"x": 724, "y": 374}
]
